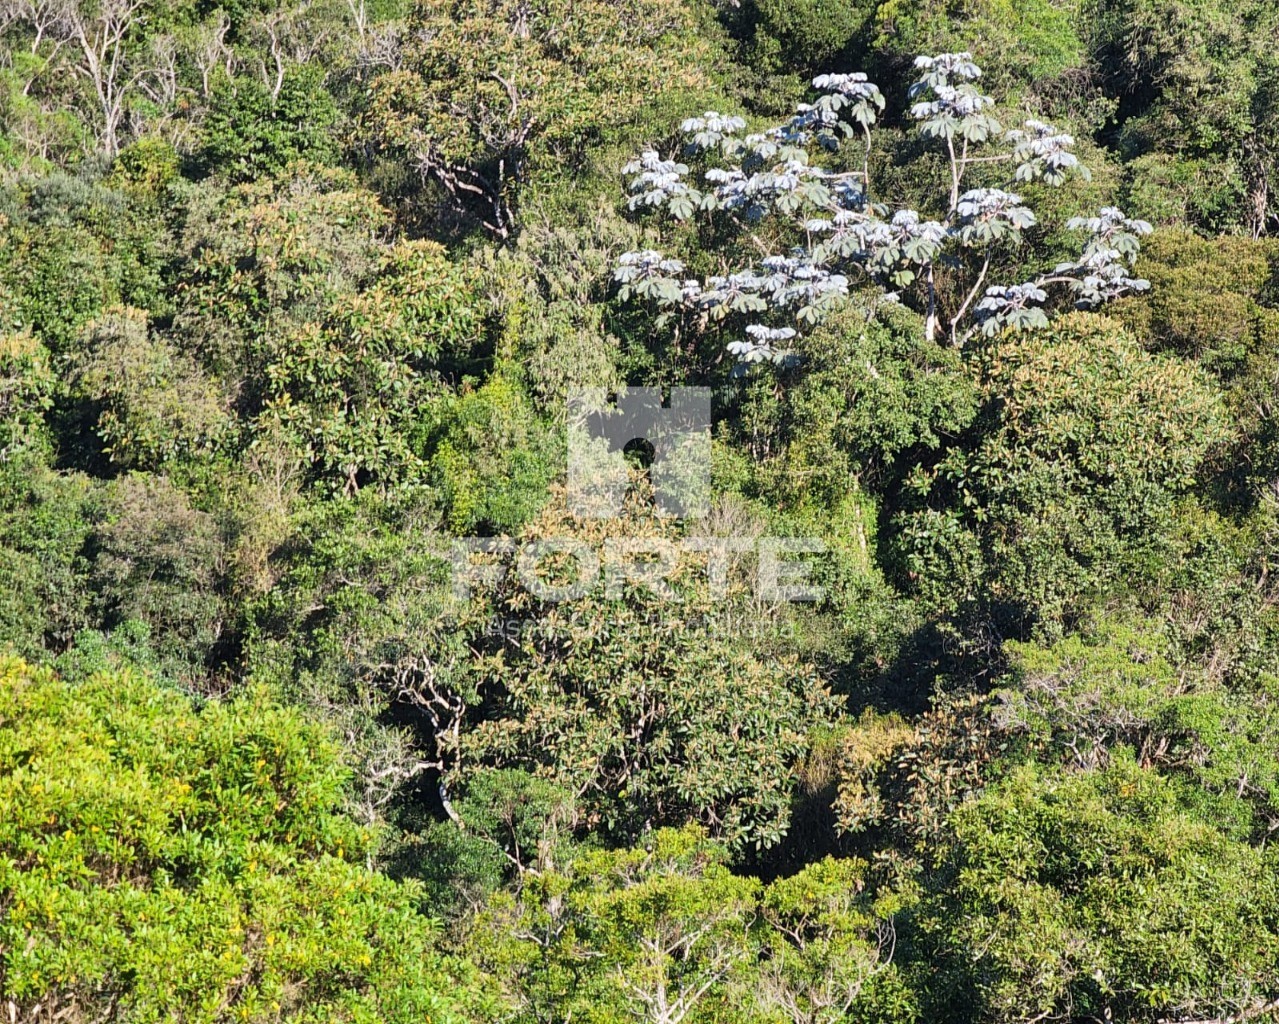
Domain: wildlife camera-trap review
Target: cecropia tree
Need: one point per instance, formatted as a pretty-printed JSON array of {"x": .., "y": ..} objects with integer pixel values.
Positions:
[{"x": 843, "y": 236}]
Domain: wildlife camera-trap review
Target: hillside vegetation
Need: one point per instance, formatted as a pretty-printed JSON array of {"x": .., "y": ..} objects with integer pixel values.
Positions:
[{"x": 324, "y": 696}]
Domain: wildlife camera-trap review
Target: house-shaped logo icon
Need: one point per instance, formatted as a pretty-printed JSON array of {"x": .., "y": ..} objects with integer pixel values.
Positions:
[{"x": 679, "y": 433}]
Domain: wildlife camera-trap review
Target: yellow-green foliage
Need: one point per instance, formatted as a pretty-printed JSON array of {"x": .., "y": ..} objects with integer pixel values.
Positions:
[
  {"x": 162, "y": 861},
  {"x": 347, "y": 388},
  {"x": 1095, "y": 893},
  {"x": 156, "y": 404},
  {"x": 26, "y": 393},
  {"x": 494, "y": 458},
  {"x": 862, "y": 750},
  {"x": 1086, "y": 394},
  {"x": 1206, "y": 297},
  {"x": 1022, "y": 39},
  {"x": 611, "y": 932},
  {"x": 574, "y": 68}
]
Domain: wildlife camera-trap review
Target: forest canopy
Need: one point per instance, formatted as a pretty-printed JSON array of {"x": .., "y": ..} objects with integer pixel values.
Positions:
[{"x": 672, "y": 511}]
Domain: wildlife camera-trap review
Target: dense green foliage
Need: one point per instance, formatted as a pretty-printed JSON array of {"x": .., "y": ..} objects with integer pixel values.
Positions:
[
  {"x": 295, "y": 721},
  {"x": 158, "y": 856}
]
